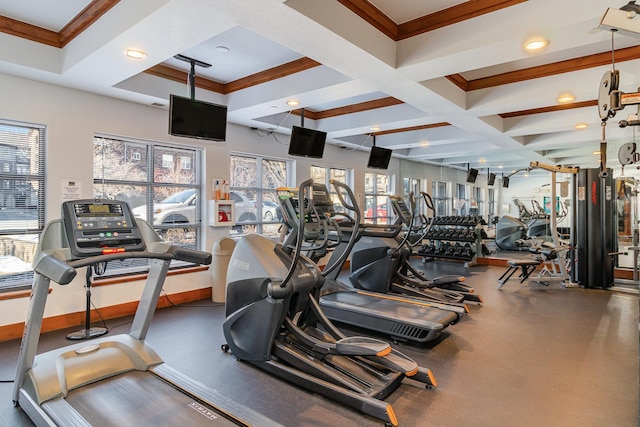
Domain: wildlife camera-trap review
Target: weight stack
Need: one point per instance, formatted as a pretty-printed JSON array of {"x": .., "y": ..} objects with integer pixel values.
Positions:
[{"x": 595, "y": 229}]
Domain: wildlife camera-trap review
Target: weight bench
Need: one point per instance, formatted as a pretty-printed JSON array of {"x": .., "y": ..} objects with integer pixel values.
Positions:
[{"x": 526, "y": 266}]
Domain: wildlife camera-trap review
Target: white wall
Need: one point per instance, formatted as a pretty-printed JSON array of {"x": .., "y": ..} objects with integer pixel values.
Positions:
[{"x": 72, "y": 118}]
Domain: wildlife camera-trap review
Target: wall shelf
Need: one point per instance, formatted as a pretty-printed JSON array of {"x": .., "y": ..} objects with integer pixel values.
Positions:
[{"x": 222, "y": 213}]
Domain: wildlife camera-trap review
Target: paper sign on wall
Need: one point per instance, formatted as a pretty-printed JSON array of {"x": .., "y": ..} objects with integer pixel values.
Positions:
[{"x": 71, "y": 189}]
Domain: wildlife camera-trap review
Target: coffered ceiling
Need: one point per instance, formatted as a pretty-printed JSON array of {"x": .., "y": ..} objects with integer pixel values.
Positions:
[{"x": 440, "y": 81}]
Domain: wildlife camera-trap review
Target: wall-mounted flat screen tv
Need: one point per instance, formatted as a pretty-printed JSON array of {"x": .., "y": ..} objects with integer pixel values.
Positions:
[
  {"x": 379, "y": 158},
  {"x": 472, "y": 174},
  {"x": 191, "y": 118},
  {"x": 307, "y": 142},
  {"x": 492, "y": 179},
  {"x": 505, "y": 182}
]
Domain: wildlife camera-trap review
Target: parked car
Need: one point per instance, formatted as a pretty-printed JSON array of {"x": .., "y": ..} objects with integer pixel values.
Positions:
[
  {"x": 179, "y": 208},
  {"x": 381, "y": 211},
  {"x": 270, "y": 211},
  {"x": 246, "y": 208}
]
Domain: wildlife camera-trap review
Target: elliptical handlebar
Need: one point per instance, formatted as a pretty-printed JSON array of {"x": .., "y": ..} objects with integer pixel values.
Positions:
[
  {"x": 428, "y": 200},
  {"x": 412, "y": 207},
  {"x": 353, "y": 206},
  {"x": 301, "y": 223}
]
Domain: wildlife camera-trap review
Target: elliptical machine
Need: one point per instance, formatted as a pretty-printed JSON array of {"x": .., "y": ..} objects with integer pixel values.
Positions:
[
  {"x": 382, "y": 265},
  {"x": 401, "y": 317},
  {"x": 272, "y": 317}
]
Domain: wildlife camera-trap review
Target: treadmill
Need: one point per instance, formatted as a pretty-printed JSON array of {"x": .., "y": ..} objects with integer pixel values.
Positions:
[
  {"x": 401, "y": 317},
  {"x": 112, "y": 380}
]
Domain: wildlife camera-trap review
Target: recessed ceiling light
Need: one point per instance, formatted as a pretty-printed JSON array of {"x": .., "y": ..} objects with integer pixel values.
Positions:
[
  {"x": 222, "y": 49},
  {"x": 293, "y": 102},
  {"x": 135, "y": 54},
  {"x": 565, "y": 98},
  {"x": 482, "y": 160},
  {"x": 500, "y": 167},
  {"x": 582, "y": 126},
  {"x": 526, "y": 175},
  {"x": 375, "y": 128},
  {"x": 535, "y": 44},
  {"x": 424, "y": 144},
  {"x": 596, "y": 153}
]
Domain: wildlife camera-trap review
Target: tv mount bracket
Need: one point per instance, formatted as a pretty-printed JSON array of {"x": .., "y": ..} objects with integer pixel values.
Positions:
[{"x": 192, "y": 71}]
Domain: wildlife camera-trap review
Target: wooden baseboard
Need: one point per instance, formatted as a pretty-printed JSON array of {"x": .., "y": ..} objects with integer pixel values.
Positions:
[{"x": 64, "y": 321}]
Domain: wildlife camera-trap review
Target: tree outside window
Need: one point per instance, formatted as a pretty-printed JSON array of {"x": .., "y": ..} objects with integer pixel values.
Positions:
[{"x": 154, "y": 183}]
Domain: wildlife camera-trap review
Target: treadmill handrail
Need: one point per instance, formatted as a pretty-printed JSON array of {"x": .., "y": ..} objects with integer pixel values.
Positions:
[{"x": 174, "y": 253}]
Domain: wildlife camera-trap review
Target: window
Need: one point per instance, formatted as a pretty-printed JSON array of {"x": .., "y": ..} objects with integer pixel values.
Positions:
[
  {"x": 185, "y": 163},
  {"x": 166, "y": 196},
  {"x": 254, "y": 181},
  {"x": 167, "y": 161},
  {"x": 492, "y": 204},
  {"x": 461, "y": 202},
  {"x": 477, "y": 201},
  {"x": 415, "y": 185},
  {"x": 377, "y": 187},
  {"x": 323, "y": 174},
  {"x": 22, "y": 210},
  {"x": 440, "y": 198}
]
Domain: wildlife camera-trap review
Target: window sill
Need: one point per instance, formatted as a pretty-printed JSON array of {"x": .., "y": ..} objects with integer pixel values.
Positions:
[{"x": 5, "y": 296}]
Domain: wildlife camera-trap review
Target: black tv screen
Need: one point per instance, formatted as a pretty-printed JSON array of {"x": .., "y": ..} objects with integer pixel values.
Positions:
[
  {"x": 505, "y": 182},
  {"x": 492, "y": 179},
  {"x": 379, "y": 158},
  {"x": 472, "y": 174},
  {"x": 197, "y": 119},
  {"x": 307, "y": 142}
]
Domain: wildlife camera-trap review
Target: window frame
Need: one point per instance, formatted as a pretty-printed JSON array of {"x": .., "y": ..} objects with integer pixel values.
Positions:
[
  {"x": 348, "y": 174},
  {"x": 150, "y": 185},
  {"x": 387, "y": 219},
  {"x": 30, "y": 234},
  {"x": 465, "y": 198},
  {"x": 478, "y": 196},
  {"x": 440, "y": 201},
  {"x": 259, "y": 223}
]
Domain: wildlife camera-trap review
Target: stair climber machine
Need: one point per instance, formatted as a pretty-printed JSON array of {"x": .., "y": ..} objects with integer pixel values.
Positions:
[
  {"x": 407, "y": 279},
  {"x": 401, "y": 317},
  {"x": 112, "y": 380},
  {"x": 272, "y": 322}
]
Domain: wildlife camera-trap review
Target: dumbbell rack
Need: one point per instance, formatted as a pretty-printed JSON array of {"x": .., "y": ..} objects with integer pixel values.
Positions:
[{"x": 455, "y": 238}]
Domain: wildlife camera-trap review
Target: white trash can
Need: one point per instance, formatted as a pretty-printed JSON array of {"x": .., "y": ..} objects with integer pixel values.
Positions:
[{"x": 221, "y": 252}]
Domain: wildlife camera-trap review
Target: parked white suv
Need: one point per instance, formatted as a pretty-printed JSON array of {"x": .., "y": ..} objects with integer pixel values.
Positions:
[{"x": 180, "y": 208}]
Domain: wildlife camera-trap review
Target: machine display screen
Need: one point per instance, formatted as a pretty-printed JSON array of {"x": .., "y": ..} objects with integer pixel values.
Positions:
[
  {"x": 100, "y": 226},
  {"x": 99, "y": 208}
]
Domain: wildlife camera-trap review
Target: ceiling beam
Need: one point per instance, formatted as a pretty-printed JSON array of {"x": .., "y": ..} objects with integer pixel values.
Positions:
[
  {"x": 569, "y": 65},
  {"x": 77, "y": 25}
]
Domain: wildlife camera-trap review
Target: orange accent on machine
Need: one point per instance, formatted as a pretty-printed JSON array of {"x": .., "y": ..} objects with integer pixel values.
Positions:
[{"x": 107, "y": 251}]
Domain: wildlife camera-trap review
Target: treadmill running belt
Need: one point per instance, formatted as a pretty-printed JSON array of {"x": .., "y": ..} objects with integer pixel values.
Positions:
[
  {"x": 128, "y": 400},
  {"x": 404, "y": 312}
]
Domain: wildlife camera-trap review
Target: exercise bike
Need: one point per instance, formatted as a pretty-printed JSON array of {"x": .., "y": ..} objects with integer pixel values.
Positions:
[{"x": 272, "y": 319}]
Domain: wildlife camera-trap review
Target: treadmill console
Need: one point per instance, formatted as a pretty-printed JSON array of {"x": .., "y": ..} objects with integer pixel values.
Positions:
[{"x": 100, "y": 226}]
